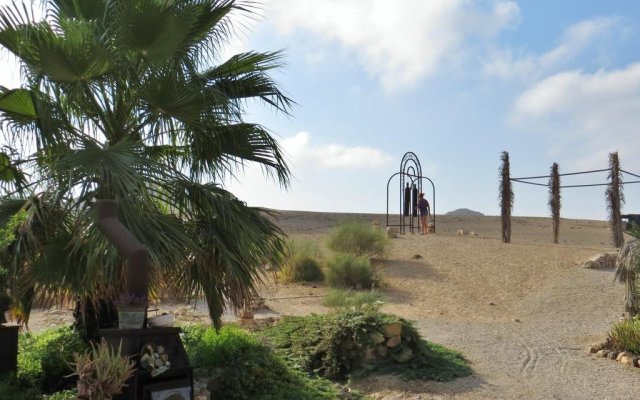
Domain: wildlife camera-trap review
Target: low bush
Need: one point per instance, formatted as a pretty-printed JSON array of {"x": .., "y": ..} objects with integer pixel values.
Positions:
[
  {"x": 357, "y": 238},
  {"x": 43, "y": 358},
  {"x": 340, "y": 298},
  {"x": 339, "y": 345},
  {"x": 301, "y": 264},
  {"x": 13, "y": 389},
  {"x": 349, "y": 271},
  {"x": 625, "y": 335},
  {"x": 63, "y": 395},
  {"x": 238, "y": 366}
]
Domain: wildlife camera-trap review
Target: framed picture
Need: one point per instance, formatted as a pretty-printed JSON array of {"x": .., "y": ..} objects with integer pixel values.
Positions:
[{"x": 181, "y": 393}]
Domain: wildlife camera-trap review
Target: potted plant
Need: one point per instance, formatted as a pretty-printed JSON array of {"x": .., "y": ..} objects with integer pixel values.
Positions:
[
  {"x": 132, "y": 310},
  {"x": 102, "y": 372}
]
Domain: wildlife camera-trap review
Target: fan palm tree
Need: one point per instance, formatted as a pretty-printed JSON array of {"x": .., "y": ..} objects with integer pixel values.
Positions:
[{"x": 128, "y": 100}]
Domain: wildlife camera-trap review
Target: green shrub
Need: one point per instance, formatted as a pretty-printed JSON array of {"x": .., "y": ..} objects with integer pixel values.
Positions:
[
  {"x": 238, "y": 366},
  {"x": 357, "y": 238},
  {"x": 13, "y": 389},
  {"x": 625, "y": 335},
  {"x": 337, "y": 345},
  {"x": 302, "y": 263},
  {"x": 64, "y": 395},
  {"x": 340, "y": 298},
  {"x": 349, "y": 271},
  {"x": 43, "y": 357}
]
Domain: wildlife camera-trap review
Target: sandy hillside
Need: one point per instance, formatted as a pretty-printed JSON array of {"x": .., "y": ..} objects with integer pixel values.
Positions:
[{"x": 522, "y": 313}]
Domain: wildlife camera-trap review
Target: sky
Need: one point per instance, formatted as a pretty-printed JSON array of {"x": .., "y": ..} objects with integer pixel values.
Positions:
[{"x": 454, "y": 81}]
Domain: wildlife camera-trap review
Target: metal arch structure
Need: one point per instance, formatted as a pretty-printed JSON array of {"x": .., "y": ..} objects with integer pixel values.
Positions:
[{"x": 410, "y": 174}]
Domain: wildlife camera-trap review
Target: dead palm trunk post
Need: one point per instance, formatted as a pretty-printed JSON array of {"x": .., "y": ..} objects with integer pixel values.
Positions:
[
  {"x": 506, "y": 198},
  {"x": 615, "y": 197},
  {"x": 554, "y": 200}
]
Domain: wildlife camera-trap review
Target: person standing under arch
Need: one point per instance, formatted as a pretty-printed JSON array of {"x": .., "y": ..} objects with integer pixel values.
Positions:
[{"x": 424, "y": 210}]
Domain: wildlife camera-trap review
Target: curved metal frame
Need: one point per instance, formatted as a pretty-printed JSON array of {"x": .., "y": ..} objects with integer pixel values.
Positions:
[{"x": 410, "y": 168}]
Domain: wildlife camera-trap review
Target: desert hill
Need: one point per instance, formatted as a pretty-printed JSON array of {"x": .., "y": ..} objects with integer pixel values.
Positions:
[{"x": 465, "y": 212}]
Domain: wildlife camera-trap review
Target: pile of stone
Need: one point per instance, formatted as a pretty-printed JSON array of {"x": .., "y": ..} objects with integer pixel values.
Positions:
[
  {"x": 391, "y": 232},
  {"x": 601, "y": 261},
  {"x": 390, "y": 343},
  {"x": 604, "y": 350}
]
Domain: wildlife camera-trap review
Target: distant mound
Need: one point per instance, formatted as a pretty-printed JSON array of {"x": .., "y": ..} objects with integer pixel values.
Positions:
[{"x": 465, "y": 212}]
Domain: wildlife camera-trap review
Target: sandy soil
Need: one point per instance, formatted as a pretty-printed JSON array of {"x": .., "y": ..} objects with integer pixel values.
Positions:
[{"x": 522, "y": 313}]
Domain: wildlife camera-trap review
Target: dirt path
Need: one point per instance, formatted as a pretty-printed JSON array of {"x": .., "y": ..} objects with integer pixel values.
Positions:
[{"x": 522, "y": 313}]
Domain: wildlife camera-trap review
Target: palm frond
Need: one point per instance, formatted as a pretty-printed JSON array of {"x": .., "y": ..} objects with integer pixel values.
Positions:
[
  {"x": 225, "y": 148},
  {"x": 245, "y": 76},
  {"x": 627, "y": 270},
  {"x": 236, "y": 244},
  {"x": 151, "y": 29}
]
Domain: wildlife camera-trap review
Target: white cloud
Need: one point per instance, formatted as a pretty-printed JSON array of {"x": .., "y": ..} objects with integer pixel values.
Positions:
[
  {"x": 325, "y": 177},
  {"x": 504, "y": 64},
  {"x": 302, "y": 152},
  {"x": 586, "y": 114},
  {"x": 397, "y": 43}
]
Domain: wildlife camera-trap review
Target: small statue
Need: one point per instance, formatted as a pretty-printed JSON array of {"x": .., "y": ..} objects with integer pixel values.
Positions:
[{"x": 155, "y": 359}]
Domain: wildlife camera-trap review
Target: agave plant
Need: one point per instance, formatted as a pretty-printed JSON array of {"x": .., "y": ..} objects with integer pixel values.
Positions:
[
  {"x": 102, "y": 372},
  {"x": 129, "y": 100}
]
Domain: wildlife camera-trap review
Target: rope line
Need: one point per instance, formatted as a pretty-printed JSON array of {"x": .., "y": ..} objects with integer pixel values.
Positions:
[
  {"x": 572, "y": 186},
  {"x": 568, "y": 173},
  {"x": 627, "y": 172},
  {"x": 529, "y": 183}
]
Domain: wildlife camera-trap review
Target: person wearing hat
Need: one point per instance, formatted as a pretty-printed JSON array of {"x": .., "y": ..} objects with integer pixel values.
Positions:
[{"x": 423, "y": 210}]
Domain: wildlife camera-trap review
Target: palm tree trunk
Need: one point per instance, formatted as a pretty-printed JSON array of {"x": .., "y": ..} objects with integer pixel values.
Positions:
[
  {"x": 554, "y": 200},
  {"x": 91, "y": 315},
  {"x": 615, "y": 197},
  {"x": 506, "y": 198}
]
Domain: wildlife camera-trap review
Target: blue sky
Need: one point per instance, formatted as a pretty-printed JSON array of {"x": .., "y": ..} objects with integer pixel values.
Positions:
[{"x": 456, "y": 82}]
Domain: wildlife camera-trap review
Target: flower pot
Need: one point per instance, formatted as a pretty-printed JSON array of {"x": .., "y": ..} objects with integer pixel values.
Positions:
[
  {"x": 9, "y": 349},
  {"x": 131, "y": 318}
]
